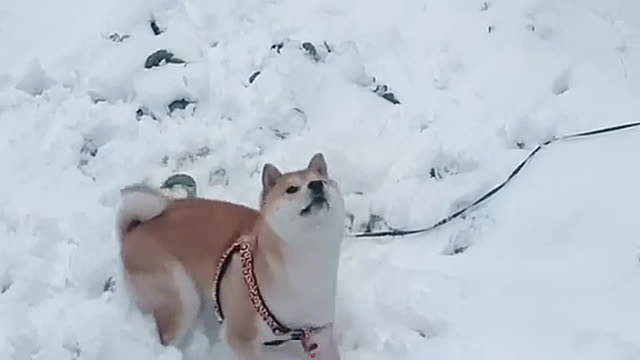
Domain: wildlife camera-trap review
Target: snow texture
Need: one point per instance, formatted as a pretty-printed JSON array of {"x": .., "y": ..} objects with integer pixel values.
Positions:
[{"x": 419, "y": 107}]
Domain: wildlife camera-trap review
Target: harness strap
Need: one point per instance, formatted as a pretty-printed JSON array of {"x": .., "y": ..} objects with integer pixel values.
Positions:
[
  {"x": 223, "y": 263},
  {"x": 246, "y": 258}
]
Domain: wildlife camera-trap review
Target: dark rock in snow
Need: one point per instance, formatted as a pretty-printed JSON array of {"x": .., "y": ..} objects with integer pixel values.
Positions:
[
  {"x": 87, "y": 151},
  {"x": 155, "y": 28},
  {"x": 109, "y": 285},
  {"x": 182, "y": 180},
  {"x": 435, "y": 174},
  {"x": 280, "y": 134},
  {"x": 316, "y": 54},
  {"x": 115, "y": 37},
  {"x": 5, "y": 287},
  {"x": 383, "y": 91},
  {"x": 144, "y": 111},
  {"x": 157, "y": 57},
  {"x": 311, "y": 50},
  {"x": 179, "y": 104},
  {"x": 327, "y": 47},
  {"x": 89, "y": 148},
  {"x": 253, "y": 77},
  {"x": 391, "y": 98},
  {"x": 459, "y": 250},
  {"x": 277, "y": 47}
]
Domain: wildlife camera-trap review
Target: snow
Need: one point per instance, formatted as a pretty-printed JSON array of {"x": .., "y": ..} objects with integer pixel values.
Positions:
[{"x": 550, "y": 268}]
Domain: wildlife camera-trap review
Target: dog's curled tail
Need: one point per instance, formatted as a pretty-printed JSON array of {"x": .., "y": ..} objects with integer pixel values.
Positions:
[{"x": 139, "y": 204}]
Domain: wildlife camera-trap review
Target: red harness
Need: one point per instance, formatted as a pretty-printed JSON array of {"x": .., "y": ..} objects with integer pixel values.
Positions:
[{"x": 246, "y": 257}]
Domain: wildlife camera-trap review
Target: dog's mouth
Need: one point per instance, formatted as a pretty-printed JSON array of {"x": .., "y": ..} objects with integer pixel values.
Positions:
[{"x": 317, "y": 202}]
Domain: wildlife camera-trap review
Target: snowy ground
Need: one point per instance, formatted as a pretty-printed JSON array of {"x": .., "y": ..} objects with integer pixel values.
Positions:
[{"x": 551, "y": 268}]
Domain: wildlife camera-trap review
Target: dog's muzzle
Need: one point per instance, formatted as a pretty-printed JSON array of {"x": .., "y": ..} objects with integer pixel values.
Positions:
[{"x": 318, "y": 197}]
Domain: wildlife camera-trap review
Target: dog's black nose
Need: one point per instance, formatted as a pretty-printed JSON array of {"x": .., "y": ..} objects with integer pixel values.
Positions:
[{"x": 316, "y": 186}]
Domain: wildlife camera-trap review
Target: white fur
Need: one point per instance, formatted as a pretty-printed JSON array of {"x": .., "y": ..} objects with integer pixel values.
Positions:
[
  {"x": 149, "y": 290},
  {"x": 304, "y": 292},
  {"x": 139, "y": 203},
  {"x": 189, "y": 298}
]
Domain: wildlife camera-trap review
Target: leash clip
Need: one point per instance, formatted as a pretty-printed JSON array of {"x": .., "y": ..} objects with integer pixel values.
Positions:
[{"x": 310, "y": 347}]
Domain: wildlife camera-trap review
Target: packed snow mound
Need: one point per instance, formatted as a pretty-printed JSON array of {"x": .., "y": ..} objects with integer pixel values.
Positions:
[{"x": 418, "y": 106}]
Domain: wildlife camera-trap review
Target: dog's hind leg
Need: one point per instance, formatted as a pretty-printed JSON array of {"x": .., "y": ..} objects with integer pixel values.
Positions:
[{"x": 171, "y": 296}]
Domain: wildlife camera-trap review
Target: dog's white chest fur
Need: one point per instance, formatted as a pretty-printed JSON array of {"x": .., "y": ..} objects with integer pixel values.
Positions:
[{"x": 304, "y": 289}]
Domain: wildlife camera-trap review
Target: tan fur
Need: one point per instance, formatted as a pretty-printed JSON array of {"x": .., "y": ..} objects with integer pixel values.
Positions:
[{"x": 192, "y": 234}]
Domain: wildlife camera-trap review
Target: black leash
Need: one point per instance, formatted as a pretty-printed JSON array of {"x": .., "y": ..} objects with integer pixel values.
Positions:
[{"x": 397, "y": 232}]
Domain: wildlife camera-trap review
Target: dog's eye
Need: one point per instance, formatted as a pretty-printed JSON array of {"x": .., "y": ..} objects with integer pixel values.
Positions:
[{"x": 292, "y": 189}]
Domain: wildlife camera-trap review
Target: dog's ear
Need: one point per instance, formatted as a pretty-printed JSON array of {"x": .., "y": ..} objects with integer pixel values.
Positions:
[
  {"x": 270, "y": 175},
  {"x": 318, "y": 164}
]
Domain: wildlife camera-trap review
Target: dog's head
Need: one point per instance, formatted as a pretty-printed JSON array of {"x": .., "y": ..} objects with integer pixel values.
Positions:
[{"x": 302, "y": 197}]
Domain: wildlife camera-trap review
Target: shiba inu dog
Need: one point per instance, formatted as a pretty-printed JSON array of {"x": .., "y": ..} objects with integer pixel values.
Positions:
[{"x": 270, "y": 273}]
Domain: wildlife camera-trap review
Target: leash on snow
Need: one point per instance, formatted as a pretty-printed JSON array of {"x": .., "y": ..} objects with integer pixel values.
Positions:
[
  {"x": 189, "y": 184},
  {"x": 401, "y": 233}
]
